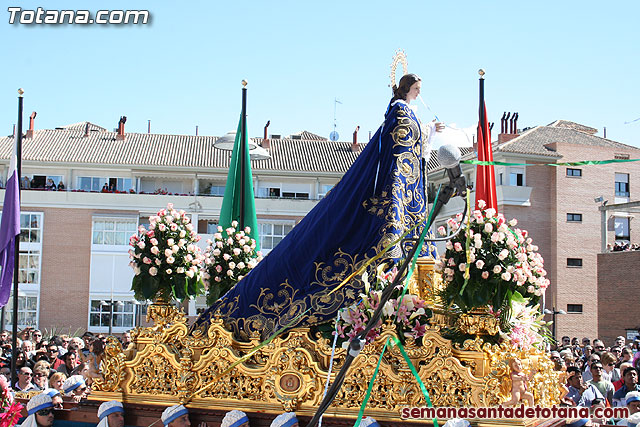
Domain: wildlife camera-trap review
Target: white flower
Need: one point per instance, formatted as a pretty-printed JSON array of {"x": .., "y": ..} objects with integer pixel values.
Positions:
[
  {"x": 506, "y": 276},
  {"x": 182, "y": 242},
  {"x": 488, "y": 227},
  {"x": 182, "y": 233},
  {"x": 180, "y": 270},
  {"x": 232, "y": 265},
  {"x": 497, "y": 269},
  {"x": 170, "y": 242},
  {"x": 170, "y": 260},
  {"x": 513, "y": 222},
  {"x": 229, "y": 273},
  {"x": 153, "y": 271},
  {"x": 236, "y": 251},
  {"x": 503, "y": 254},
  {"x": 479, "y": 264},
  {"x": 168, "y": 252},
  {"x": 189, "y": 273},
  {"x": 387, "y": 309},
  {"x": 462, "y": 266},
  {"x": 169, "y": 271},
  {"x": 216, "y": 252},
  {"x": 482, "y": 204},
  {"x": 234, "y": 224},
  {"x": 241, "y": 265}
]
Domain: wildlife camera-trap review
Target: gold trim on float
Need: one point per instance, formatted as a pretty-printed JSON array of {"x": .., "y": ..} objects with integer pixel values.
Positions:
[{"x": 164, "y": 365}]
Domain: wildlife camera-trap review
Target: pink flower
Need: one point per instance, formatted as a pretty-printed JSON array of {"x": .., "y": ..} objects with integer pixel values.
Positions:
[
  {"x": 497, "y": 269},
  {"x": 189, "y": 273},
  {"x": 154, "y": 241},
  {"x": 153, "y": 271},
  {"x": 485, "y": 275},
  {"x": 442, "y": 231},
  {"x": 506, "y": 276},
  {"x": 488, "y": 227},
  {"x": 174, "y": 227},
  {"x": 462, "y": 266},
  {"x": 141, "y": 245},
  {"x": 457, "y": 246},
  {"x": 162, "y": 227},
  {"x": 146, "y": 260},
  {"x": 503, "y": 254},
  {"x": 480, "y": 264},
  {"x": 482, "y": 204},
  {"x": 218, "y": 279},
  {"x": 219, "y": 268},
  {"x": 236, "y": 251}
]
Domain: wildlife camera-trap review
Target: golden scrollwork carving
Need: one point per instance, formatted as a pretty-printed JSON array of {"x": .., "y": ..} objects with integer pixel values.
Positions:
[{"x": 165, "y": 363}]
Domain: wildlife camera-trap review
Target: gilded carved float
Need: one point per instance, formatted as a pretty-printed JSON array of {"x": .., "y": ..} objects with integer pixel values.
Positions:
[{"x": 165, "y": 363}]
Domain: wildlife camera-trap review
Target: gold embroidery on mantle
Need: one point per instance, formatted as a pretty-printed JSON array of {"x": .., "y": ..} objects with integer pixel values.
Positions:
[{"x": 165, "y": 364}]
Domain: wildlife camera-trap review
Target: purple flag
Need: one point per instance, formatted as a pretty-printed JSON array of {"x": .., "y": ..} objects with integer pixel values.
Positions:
[{"x": 9, "y": 230}]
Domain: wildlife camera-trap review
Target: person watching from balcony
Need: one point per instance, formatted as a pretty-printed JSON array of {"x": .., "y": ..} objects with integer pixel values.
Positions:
[{"x": 61, "y": 186}]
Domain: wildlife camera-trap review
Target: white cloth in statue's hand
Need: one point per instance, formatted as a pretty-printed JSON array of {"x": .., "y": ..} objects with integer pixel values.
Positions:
[
  {"x": 453, "y": 135},
  {"x": 427, "y": 133}
]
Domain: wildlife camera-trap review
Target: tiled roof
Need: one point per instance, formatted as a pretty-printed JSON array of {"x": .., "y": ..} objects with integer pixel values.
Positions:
[
  {"x": 83, "y": 125},
  {"x": 572, "y": 125},
  {"x": 534, "y": 141},
  {"x": 156, "y": 150},
  {"x": 308, "y": 136}
]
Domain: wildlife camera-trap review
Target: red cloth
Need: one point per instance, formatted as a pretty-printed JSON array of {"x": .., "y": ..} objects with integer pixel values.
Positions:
[
  {"x": 618, "y": 384},
  {"x": 486, "y": 177}
]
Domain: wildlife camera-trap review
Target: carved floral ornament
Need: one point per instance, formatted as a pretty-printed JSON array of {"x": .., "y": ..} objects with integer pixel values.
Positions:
[{"x": 165, "y": 361}]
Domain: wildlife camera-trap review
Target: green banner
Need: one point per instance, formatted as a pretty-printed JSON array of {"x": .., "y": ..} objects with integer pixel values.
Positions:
[{"x": 580, "y": 163}]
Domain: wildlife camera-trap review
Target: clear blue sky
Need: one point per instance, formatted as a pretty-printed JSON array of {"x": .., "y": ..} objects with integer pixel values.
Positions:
[{"x": 572, "y": 60}]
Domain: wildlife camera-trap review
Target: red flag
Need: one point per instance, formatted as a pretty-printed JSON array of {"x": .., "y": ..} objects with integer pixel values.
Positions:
[{"x": 485, "y": 175}]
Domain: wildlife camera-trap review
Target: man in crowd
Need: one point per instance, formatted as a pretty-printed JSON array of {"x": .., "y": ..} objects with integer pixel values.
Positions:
[
  {"x": 598, "y": 345},
  {"x": 24, "y": 380},
  {"x": 630, "y": 377},
  {"x": 618, "y": 384},
  {"x": 53, "y": 353},
  {"x": 580, "y": 393},
  {"x": 111, "y": 414},
  {"x": 69, "y": 363},
  {"x": 586, "y": 375},
  {"x": 604, "y": 387}
]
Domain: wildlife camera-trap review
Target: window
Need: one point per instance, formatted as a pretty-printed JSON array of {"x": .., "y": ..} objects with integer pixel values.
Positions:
[
  {"x": 27, "y": 312},
  {"x": 622, "y": 184},
  {"x": 272, "y": 233},
  {"x": 516, "y": 177},
  {"x": 621, "y": 225},
  {"x": 574, "y": 217},
  {"x": 88, "y": 183},
  {"x": 323, "y": 190},
  {"x": 574, "y": 262},
  {"x": 29, "y": 268},
  {"x": 92, "y": 183},
  {"x": 500, "y": 178},
  {"x": 113, "y": 231},
  {"x": 574, "y": 308},
  {"x": 271, "y": 192},
  {"x": 292, "y": 195},
  {"x": 574, "y": 172},
  {"x": 30, "y": 228},
  {"x": 212, "y": 227},
  {"x": 123, "y": 314}
]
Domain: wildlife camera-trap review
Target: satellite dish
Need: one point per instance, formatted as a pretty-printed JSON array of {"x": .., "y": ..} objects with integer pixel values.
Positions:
[{"x": 333, "y": 136}]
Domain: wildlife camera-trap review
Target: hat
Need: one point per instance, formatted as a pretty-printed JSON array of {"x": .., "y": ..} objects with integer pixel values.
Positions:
[
  {"x": 577, "y": 422},
  {"x": 369, "y": 422},
  {"x": 38, "y": 402},
  {"x": 285, "y": 420},
  {"x": 234, "y": 418},
  {"x": 456, "y": 422},
  {"x": 632, "y": 396},
  {"x": 106, "y": 409},
  {"x": 72, "y": 383},
  {"x": 52, "y": 392},
  {"x": 173, "y": 412}
]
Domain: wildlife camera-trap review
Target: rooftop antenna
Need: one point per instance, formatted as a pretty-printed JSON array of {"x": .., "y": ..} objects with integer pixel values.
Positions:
[{"x": 333, "y": 136}]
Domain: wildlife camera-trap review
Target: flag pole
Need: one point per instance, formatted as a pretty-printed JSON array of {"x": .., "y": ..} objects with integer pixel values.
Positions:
[
  {"x": 16, "y": 259},
  {"x": 243, "y": 153},
  {"x": 481, "y": 105}
]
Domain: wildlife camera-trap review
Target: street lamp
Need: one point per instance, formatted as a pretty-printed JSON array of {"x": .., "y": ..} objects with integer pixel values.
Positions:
[{"x": 553, "y": 313}]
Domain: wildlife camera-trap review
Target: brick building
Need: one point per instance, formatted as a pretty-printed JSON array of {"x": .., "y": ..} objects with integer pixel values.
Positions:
[
  {"x": 74, "y": 243},
  {"x": 556, "y": 205}
]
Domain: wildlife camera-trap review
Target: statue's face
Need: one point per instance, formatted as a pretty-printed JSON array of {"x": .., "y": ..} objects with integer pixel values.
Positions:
[{"x": 414, "y": 91}]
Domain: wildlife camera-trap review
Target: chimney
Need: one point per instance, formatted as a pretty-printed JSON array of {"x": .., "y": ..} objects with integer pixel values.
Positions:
[
  {"x": 149, "y": 127},
  {"x": 120, "y": 135},
  {"x": 354, "y": 144},
  {"x": 509, "y": 127},
  {"x": 86, "y": 130},
  {"x": 265, "y": 141},
  {"x": 196, "y": 130},
  {"x": 32, "y": 119}
]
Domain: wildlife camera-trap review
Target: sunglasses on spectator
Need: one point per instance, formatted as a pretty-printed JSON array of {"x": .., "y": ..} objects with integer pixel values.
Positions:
[
  {"x": 611, "y": 364},
  {"x": 26, "y": 373},
  {"x": 53, "y": 350},
  {"x": 44, "y": 412}
]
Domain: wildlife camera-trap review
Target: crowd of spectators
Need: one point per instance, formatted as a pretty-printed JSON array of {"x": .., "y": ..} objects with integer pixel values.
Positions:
[
  {"x": 599, "y": 375},
  {"x": 65, "y": 363},
  {"x": 622, "y": 247}
]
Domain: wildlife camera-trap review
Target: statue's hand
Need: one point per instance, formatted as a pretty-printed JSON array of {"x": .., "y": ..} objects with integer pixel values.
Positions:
[{"x": 439, "y": 127}]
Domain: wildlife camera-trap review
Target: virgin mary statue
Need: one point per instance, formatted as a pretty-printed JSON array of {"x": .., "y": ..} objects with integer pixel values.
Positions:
[{"x": 379, "y": 198}]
